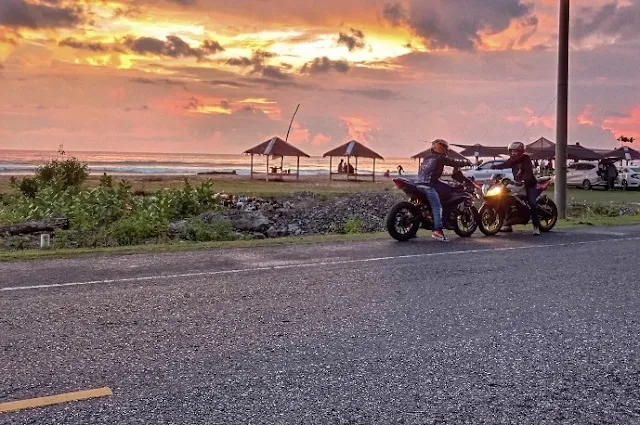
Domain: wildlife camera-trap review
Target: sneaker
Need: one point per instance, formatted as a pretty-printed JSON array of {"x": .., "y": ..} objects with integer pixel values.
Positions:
[
  {"x": 536, "y": 231},
  {"x": 439, "y": 236}
]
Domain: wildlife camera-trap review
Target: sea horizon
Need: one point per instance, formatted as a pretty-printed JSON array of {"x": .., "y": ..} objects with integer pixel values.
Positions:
[{"x": 25, "y": 161}]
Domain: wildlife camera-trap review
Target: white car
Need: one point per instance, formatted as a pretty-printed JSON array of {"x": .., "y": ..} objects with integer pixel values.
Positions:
[
  {"x": 483, "y": 172},
  {"x": 628, "y": 177},
  {"x": 584, "y": 175}
]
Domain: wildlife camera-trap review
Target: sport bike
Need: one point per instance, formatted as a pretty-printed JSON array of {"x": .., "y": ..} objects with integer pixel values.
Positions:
[
  {"x": 505, "y": 204},
  {"x": 458, "y": 212}
]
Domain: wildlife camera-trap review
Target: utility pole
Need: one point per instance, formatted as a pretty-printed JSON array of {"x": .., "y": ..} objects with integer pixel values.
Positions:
[{"x": 562, "y": 111}]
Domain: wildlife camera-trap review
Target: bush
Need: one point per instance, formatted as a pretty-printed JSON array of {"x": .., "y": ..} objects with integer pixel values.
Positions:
[
  {"x": 137, "y": 229},
  {"x": 354, "y": 225},
  {"x": 62, "y": 173},
  {"x": 217, "y": 229}
]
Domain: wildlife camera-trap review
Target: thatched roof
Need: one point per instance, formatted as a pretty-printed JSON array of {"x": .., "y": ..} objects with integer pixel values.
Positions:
[
  {"x": 276, "y": 147},
  {"x": 619, "y": 153},
  {"x": 483, "y": 151},
  {"x": 427, "y": 153},
  {"x": 542, "y": 144},
  {"x": 355, "y": 149}
]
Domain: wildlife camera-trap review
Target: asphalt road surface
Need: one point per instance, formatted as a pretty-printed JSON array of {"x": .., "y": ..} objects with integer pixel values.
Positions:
[{"x": 514, "y": 329}]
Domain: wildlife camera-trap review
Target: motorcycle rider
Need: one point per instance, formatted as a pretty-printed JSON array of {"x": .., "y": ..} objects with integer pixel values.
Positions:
[
  {"x": 429, "y": 181},
  {"x": 522, "y": 168}
]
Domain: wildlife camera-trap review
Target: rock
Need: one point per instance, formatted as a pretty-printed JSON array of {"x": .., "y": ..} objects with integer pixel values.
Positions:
[
  {"x": 258, "y": 236},
  {"x": 251, "y": 221},
  {"x": 276, "y": 232},
  {"x": 177, "y": 227},
  {"x": 294, "y": 229}
]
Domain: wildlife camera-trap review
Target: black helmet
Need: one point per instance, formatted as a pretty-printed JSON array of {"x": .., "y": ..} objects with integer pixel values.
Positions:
[{"x": 516, "y": 148}]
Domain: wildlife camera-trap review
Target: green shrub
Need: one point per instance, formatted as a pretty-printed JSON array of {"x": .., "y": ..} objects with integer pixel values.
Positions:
[
  {"x": 137, "y": 229},
  {"x": 354, "y": 225},
  {"x": 62, "y": 173},
  {"x": 217, "y": 229}
]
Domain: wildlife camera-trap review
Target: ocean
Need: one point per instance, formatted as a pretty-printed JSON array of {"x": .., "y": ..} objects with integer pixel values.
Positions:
[{"x": 24, "y": 162}]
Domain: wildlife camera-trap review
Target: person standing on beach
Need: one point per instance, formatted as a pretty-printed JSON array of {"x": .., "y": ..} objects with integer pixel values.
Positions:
[{"x": 341, "y": 166}]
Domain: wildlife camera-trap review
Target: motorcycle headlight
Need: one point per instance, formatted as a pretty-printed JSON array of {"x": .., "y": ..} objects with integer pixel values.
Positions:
[{"x": 494, "y": 191}]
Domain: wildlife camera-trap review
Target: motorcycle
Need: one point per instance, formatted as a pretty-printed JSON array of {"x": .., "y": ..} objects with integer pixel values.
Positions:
[
  {"x": 505, "y": 204},
  {"x": 458, "y": 212}
]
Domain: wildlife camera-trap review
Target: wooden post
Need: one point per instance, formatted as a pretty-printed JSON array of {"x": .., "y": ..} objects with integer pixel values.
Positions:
[
  {"x": 330, "y": 168},
  {"x": 356, "y": 168},
  {"x": 251, "y": 166},
  {"x": 374, "y": 169},
  {"x": 282, "y": 165},
  {"x": 348, "y": 171},
  {"x": 267, "y": 167},
  {"x": 298, "y": 172}
]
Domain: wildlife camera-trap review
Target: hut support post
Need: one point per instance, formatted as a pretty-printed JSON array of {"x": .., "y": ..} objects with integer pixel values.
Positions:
[
  {"x": 330, "y": 168},
  {"x": 356, "y": 168},
  {"x": 348, "y": 170},
  {"x": 374, "y": 169},
  {"x": 298, "y": 170},
  {"x": 268, "y": 171},
  {"x": 251, "y": 166}
]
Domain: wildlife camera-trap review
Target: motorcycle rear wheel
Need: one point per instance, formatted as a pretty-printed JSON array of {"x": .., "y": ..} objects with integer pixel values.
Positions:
[
  {"x": 403, "y": 221},
  {"x": 550, "y": 207},
  {"x": 493, "y": 227}
]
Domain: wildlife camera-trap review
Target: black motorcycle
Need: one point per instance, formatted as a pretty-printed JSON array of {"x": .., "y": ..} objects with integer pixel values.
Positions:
[
  {"x": 505, "y": 204},
  {"x": 458, "y": 212}
]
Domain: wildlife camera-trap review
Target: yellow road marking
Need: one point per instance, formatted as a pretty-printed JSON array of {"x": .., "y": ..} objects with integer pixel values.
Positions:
[{"x": 54, "y": 399}]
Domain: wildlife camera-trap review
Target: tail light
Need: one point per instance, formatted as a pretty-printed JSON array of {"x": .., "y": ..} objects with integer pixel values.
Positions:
[{"x": 399, "y": 183}]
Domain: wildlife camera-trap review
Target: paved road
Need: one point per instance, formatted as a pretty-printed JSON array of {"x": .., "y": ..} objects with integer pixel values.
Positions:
[{"x": 505, "y": 330}]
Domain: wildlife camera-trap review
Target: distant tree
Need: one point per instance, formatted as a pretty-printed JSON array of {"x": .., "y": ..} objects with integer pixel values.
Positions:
[{"x": 625, "y": 139}]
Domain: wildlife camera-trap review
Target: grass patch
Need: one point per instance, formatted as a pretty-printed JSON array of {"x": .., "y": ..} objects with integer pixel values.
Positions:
[
  {"x": 186, "y": 246},
  {"x": 257, "y": 243}
]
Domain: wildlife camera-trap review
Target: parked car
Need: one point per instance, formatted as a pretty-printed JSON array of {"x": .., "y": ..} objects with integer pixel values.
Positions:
[
  {"x": 629, "y": 177},
  {"x": 483, "y": 172},
  {"x": 584, "y": 175}
]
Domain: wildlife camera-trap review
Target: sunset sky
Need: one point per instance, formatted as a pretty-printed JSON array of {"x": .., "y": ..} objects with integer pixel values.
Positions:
[{"x": 219, "y": 76}]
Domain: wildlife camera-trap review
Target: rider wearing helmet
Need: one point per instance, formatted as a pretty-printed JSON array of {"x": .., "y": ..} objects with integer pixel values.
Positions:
[
  {"x": 429, "y": 179},
  {"x": 522, "y": 167}
]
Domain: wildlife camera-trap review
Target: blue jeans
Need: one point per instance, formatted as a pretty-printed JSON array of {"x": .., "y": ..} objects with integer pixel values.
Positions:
[
  {"x": 434, "y": 192},
  {"x": 532, "y": 196}
]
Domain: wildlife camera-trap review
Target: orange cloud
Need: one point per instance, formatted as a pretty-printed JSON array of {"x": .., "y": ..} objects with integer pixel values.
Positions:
[
  {"x": 625, "y": 125},
  {"x": 358, "y": 127},
  {"x": 585, "y": 117}
]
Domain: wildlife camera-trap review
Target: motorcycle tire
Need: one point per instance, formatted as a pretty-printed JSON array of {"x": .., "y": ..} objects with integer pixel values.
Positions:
[
  {"x": 554, "y": 216},
  {"x": 391, "y": 221},
  {"x": 483, "y": 229},
  {"x": 470, "y": 231}
]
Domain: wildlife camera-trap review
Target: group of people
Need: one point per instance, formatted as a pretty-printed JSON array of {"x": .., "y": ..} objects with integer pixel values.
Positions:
[
  {"x": 345, "y": 168},
  {"x": 431, "y": 171}
]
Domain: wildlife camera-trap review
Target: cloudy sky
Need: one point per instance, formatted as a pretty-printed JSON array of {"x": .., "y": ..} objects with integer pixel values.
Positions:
[{"x": 218, "y": 76}]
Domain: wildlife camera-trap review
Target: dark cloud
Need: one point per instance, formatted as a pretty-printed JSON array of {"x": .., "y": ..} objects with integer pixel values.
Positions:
[
  {"x": 140, "y": 108},
  {"x": 274, "y": 72},
  {"x": 394, "y": 13},
  {"x": 324, "y": 65},
  {"x": 173, "y": 47},
  {"x": 457, "y": 24},
  {"x": 353, "y": 41},
  {"x": 610, "y": 20},
  {"x": 77, "y": 44},
  {"x": 165, "y": 81},
  {"x": 258, "y": 62},
  {"x": 23, "y": 14},
  {"x": 377, "y": 94}
]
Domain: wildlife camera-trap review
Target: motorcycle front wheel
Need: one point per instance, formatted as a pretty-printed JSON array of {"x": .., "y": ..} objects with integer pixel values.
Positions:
[
  {"x": 466, "y": 221},
  {"x": 490, "y": 220},
  {"x": 403, "y": 221}
]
